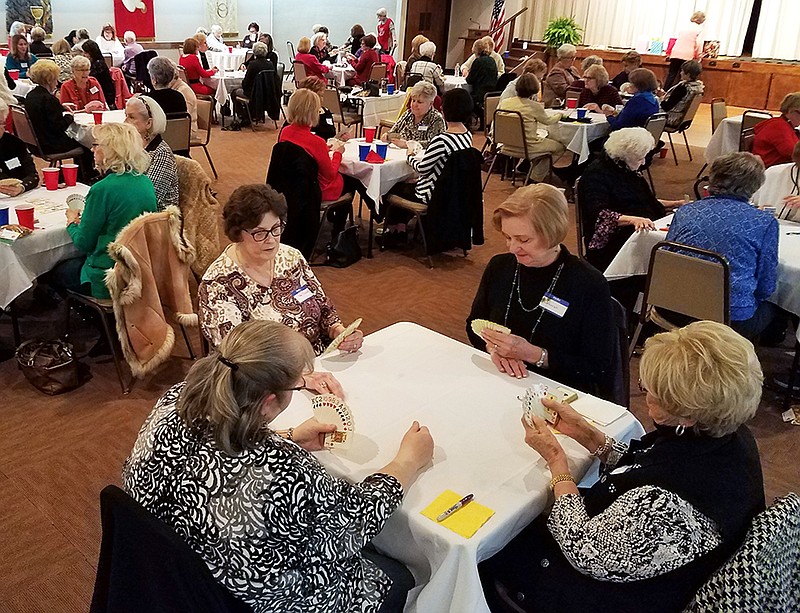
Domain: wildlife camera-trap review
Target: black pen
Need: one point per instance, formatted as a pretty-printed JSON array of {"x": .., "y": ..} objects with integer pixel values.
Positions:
[{"x": 455, "y": 507}]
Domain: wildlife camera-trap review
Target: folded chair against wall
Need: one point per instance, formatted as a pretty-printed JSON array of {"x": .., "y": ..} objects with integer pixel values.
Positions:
[{"x": 149, "y": 286}]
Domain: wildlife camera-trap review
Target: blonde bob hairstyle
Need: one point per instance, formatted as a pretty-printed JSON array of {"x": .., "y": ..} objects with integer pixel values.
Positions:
[
  {"x": 705, "y": 372},
  {"x": 304, "y": 45},
  {"x": 44, "y": 73},
  {"x": 61, "y": 47},
  {"x": 222, "y": 400},
  {"x": 303, "y": 108},
  {"x": 597, "y": 72},
  {"x": 543, "y": 205},
  {"x": 122, "y": 149},
  {"x": 416, "y": 43},
  {"x": 479, "y": 47},
  {"x": 80, "y": 62}
]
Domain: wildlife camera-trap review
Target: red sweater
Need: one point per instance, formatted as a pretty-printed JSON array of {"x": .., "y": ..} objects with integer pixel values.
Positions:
[
  {"x": 313, "y": 66},
  {"x": 364, "y": 65},
  {"x": 194, "y": 70},
  {"x": 330, "y": 181},
  {"x": 80, "y": 98},
  {"x": 774, "y": 141}
]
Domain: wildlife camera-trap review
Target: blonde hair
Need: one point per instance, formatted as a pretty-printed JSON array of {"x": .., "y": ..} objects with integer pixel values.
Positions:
[
  {"x": 44, "y": 72},
  {"x": 223, "y": 399},
  {"x": 480, "y": 47},
  {"x": 534, "y": 66},
  {"x": 60, "y": 47},
  {"x": 3, "y": 110},
  {"x": 200, "y": 37},
  {"x": 489, "y": 43},
  {"x": 122, "y": 148},
  {"x": 303, "y": 108},
  {"x": 705, "y": 372},
  {"x": 544, "y": 206},
  {"x": 80, "y": 62},
  {"x": 416, "y": 43},
  {"x": 790, "y": 102},
  {"x": 598, "y": 73},
  {"x": 698, "y": 17},
  {"x": 304, "y": 45}
]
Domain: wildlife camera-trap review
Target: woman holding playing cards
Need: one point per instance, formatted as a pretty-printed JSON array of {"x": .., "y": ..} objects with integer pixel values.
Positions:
[
  {"x": 557, "y": 307},
  {"x": 256, "y": 277},
  {"x": 669, "y": 509},
  {"x": 272, "y": 525}
]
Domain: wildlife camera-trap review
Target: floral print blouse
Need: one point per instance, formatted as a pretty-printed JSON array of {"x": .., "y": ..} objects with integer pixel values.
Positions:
[{"x": 228, "y": 296}]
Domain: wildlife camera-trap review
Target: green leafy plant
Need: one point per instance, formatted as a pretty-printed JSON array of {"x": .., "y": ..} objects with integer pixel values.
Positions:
[{"x": 562, "y": 30}]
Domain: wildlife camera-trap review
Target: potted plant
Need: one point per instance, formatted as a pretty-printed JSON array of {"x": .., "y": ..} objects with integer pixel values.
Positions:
[{"x": 562, "y": 30}]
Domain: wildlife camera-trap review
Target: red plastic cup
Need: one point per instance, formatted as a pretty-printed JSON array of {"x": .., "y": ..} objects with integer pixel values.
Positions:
[
  {"x": 24, "y": 215},
  {"x": 369, "y": 134},
  {"x": 663, "y": 153},
  {"x": 572, "y": 103},
  {"x": 14, "y": 74},
  {"x": 50, "y": 179},
  {"x": 70, "y": 174},
  {"x": 98, "y": 117},
  {"x": 230, "y": 49}
]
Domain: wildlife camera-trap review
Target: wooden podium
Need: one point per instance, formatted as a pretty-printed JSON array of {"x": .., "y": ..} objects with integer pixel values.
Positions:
[{"x": 473, "y": 34}]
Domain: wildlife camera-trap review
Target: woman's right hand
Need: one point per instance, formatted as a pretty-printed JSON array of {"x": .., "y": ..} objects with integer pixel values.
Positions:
[
  {"x": 574, "y": 425},
  {"x": 639, "y": 223},
  {"x": 416, "y": 448},
  {"x": 793, "y": 202},
  {"x": 399, "y": 142},
  {"x": 339, "y": 148},
  {"x": 592, "y": 107}
]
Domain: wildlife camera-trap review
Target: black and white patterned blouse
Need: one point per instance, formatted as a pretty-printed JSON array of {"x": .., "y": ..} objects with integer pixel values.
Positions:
[
  {"x": 163, "y": 172},
  {"x": 646, "y": 532},
  {"x": 432, "y": 163},
  {"x": 273, "y": 527}
]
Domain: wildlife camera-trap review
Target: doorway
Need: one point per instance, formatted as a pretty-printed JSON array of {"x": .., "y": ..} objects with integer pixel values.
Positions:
[{"x": 431, "y": 18}]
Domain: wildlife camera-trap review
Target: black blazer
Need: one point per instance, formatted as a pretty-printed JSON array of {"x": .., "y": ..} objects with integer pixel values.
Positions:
[
  {"x": 49, "y": 121},
  {"x": 16, "y": 162},
  {"x": 170, "y": 100}
]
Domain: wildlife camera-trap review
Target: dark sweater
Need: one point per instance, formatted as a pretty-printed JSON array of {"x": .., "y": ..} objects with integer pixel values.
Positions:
[
  {"x": 482, "y": 77},
  {"x": 16, "y": 162},
  {"x": 254, "y": 67},
  {"x": 48, "y": 120},
  {"x": 605, "y": 95},
  {"x": 100, "y": 71},
  {"x": 580, "y": 345},
  {"x": 170, "y": 100}
]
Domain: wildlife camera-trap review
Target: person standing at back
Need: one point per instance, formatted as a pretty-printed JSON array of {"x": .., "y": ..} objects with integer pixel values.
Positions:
[
  {"x": 688, "y": 46},
  {"x": 385, "y": 31}
]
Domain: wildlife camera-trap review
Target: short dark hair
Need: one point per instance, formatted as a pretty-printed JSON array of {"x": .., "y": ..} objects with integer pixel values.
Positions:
[
  {"x": 692, "y": 69},
  {"x": 92, "y": 49},
  {"x": 323, "y": 29},
  {"x": 457, "y": 106},
  {"x": 247, "y": 205},
  {"x": 643, "y": 80},
  {"x": 369, "y": 40},
  {"x": 253, "y": 24},
  {"x": 266, "y": 38},
  {"x": 357, "y": 30},
  {"x": 527, "y": 85}
]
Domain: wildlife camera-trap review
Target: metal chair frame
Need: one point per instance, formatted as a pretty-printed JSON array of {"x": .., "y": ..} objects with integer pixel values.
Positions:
[
  {"x": 490, "y": 103},
  {"x": 25, "y": 132},
  {"x": 204, "y": 110},
  {"x": 655, "y": 125},
  {"x": 686, "y": 123},
  {"x": 502, "y": 133}
]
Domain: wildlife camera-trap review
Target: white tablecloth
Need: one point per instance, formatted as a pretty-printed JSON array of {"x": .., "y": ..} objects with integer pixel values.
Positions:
[
  {"x": 405, "y": 373},
  {"x": 454, "y": 82},
  {"x": 342, "y": 73},
  {"x": 377, "y": 178},
  {"x": 33, "y": 255},
  {"x": 725, "y": 139},
  {"x": 384, "y": 107},
  {"x": 225, "y": 84},
  {"x": 634, "y": 258},
  {"x": 23, "y": 86},
  {"x": 577, "y": 136},
  {"x": 225, "y": 60},
  {"x": 85, "y": 122}
]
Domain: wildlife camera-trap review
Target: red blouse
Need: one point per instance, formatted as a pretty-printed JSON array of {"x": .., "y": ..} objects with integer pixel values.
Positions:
[
  {"x": 313, "y": 66},
  {"x": 81, "y": 97},
  {"x": 194, "y": 70},
  {"x": 774, "y": 141},
  {"x": 364, "y": 65},
  {"x": 330, "y": 181}
]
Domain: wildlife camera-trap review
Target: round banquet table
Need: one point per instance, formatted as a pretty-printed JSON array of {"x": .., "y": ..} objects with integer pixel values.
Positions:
[
  {"x": 454, "y": 82},
  {"x": 227, "y": 60}
]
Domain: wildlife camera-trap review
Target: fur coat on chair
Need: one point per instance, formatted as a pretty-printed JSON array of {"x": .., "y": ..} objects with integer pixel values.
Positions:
[
  {"x": 200, "y": 211},
  {"x": 150, "y": 278}
]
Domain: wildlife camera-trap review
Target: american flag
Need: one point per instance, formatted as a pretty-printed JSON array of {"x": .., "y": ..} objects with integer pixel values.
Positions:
[{"x": 498, "y": 17}]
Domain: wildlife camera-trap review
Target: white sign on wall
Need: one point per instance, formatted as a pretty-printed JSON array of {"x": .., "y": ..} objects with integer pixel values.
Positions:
[{"x": 224, "y": 13}]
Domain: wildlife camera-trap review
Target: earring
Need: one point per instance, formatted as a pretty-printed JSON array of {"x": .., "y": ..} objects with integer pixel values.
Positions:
[{"x": 680, "y": 430}]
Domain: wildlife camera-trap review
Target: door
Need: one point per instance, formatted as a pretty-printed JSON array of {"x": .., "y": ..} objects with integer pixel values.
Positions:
[{"x": 431, "y": 18}]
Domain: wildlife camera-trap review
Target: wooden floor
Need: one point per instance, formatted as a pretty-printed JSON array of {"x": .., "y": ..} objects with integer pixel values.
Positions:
[{"x": 56, "y": 454}]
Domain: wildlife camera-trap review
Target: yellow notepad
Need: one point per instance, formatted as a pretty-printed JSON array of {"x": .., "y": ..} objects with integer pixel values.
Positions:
[{"x": 465, "y": 521}]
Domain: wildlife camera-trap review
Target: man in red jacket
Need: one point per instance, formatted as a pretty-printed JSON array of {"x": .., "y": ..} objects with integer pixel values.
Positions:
[{"x": 775, "y": 138}]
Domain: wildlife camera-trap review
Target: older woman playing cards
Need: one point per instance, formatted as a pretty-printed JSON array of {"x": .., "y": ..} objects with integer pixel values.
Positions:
[
  {"x": 557, "y": 307},
  {"x": 668, "y": 510},
  {"x": 272, "y": 525},
  {"x": 257, "y": 277}
]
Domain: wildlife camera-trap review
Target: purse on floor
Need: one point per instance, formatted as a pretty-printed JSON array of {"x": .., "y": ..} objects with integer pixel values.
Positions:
[
  {"x": 346, "y": 250},
  {"x": 50, "y": 366}
]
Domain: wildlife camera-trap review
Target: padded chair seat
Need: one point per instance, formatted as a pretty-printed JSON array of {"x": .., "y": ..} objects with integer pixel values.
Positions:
[
  {"x": 104, "y": 303},
  {"x": 411, "y": 205},
  {"x": 346, "y": 198}
]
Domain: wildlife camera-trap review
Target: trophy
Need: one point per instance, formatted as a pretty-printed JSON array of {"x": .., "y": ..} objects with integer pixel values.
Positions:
[{"x": 37, "y": 12}]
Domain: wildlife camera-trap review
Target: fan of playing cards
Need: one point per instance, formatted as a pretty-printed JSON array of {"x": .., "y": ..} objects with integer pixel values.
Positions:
[
  {"x": 342, "y": 335},
  {"x": 330, "y": 409},
  {"x": 479, "y": 325},
  {"x": 532, "y": 404}
]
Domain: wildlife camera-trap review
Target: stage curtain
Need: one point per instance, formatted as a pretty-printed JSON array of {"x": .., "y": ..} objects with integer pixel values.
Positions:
[
  {"x": 621, "y": 23},
  {"x": 776, "y": 36}
]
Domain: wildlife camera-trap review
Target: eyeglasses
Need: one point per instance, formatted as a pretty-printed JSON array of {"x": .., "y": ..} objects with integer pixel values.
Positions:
[
  {"x": 260, "y": 234},
  {"x": 642, "y": 388}
]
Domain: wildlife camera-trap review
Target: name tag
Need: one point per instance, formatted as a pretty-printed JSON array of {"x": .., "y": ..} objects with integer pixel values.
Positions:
[
  {"x": 554, "y": 305},
  {"x": 93, "y": 90},
  {"x": 422, "y": 128},
  {"x": 329, "y": 120},
  {"x": 302, "y": 293},
  {"x": 13, "y": 163},
  {"x": 23, "y": 65}
]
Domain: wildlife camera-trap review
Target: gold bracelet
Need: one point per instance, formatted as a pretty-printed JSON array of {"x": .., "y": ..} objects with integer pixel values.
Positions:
[{"x": 560, "y": 479}]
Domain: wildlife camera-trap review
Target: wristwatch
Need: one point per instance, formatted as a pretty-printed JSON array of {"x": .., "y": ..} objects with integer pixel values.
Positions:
[{"x": 542, "y": 358}]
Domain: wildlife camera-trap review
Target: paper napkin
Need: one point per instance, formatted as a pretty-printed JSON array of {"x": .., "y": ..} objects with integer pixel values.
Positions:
[{"x": 465, "y": 521}]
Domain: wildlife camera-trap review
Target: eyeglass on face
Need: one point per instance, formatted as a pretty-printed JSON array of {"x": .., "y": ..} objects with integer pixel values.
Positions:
[
  {"x": 260, "y": 234},
  {"x": 642, "y": 388}
]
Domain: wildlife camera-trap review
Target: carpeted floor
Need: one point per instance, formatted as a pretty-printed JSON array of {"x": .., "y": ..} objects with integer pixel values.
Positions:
[{"x": 56, "y": 454}]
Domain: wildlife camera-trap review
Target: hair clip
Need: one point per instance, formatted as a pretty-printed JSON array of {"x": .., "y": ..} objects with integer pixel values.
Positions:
[{"x": 232, "y": 365}]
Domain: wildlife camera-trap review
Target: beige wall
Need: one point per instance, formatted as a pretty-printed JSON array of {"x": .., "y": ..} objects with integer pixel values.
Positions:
[{"x": 478, "y": 10}]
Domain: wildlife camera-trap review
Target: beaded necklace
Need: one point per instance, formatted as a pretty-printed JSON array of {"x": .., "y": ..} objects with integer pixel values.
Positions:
[{"x": 515, "y": 286}]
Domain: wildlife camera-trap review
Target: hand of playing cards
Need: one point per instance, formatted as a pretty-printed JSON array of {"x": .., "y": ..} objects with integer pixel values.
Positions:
[{"x": 329, "y": 409}]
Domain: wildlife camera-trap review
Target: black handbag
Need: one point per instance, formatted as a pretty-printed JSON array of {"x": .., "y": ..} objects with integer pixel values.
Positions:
[
  {"x": 346, "y": 251},
  {"x": 50, "y": 366}
]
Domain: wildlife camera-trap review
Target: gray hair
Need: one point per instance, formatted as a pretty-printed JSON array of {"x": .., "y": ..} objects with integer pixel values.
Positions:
[
  {"x": 629, "y": 144},
  {"x": 566, "y": 50},
  {"x": 16, "y": 28},
  {"x": 38, "y": 34},
  {"x": 202, "y": 30},
  {"x": 162, "y": 71},
  {"x": 424, "y": 89},
  {"x": 260, "y": 50},
  {"x": 738, "y": 174},
  {"x": 129, "y": 36},
  {"x": 315, "y": 39},
  {"x": 225, "y": 392},
  {"x": 216, "y": 29},
  {"x": 381, "y": 12},
  {"x": 149, "y": 108},
  {"x": 790, "y": 102},
  {"x": 428, "y": 49},
  {"x": 591, "y": 60},
  {"x": 80, "y": 62}
]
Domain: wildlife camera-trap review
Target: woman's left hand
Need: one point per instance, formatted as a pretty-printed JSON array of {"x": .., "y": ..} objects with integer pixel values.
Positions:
[
  {"x": 323, "y": 383},
  {"x": 12, "y": 190},
  {"x": 73, "y": 216},
  {"x": 540, "y": 438},
  {"x": 793, "y": 202},
  {"x": 592, "y": 107},
  {"x": 510, "y": 346},
  {"x": 352, "y": 342},
  {"x": 310, "y": 435}
]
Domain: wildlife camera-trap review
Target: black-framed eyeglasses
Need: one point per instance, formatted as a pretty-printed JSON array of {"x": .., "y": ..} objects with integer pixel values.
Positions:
[
  {"x": 642, "y": 388},
  {"x": 260, "y": 234}
]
